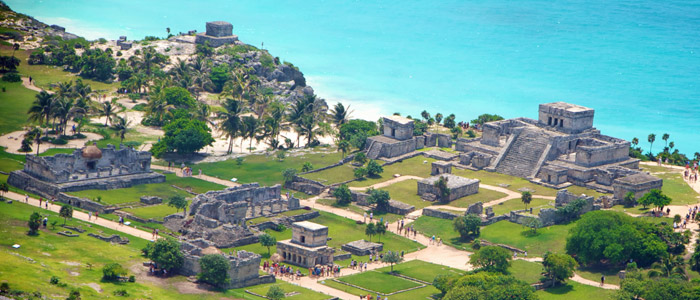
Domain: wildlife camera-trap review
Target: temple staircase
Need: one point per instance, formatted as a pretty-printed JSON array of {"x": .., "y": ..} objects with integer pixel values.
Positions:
[
  {"x": 524, "y": 154},
  {"x": 374, "y": 150}
]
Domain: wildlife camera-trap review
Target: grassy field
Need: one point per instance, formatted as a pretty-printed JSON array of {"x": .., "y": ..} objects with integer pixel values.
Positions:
[
  {"x": 552, "y": 238},
  {"x": 484, "y": 196},
  {"x": 67, "y": 259},
  {"x": 676, "y": 188},
  {"x": 427, "y": 292},
  {"x": 300, "y": 292},
  {"x": 575, "y": 291},
  {"x": 163, "y": 190},
  {"x": 379, "y": 282},
  {"x": 517, "y": 204},
  {"x": 413, "y": 166},
  {"x": 156, "y": 212},
  {"x": 264, "y": 169},
  {"x": 441, "y": 228},
  {"x": 14, "y": 104},
  {"x": 44, "y": 76},
  {"x": 530, "y": 272},
  {"x": 421, "y": 270},
  {"x": 333, "y": 175}
]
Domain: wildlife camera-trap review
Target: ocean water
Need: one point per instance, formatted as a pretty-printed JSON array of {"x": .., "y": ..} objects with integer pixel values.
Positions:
[{"x": 636, "y": 62}]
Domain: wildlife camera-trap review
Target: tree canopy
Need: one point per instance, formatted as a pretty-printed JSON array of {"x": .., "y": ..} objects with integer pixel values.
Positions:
[
  {"x": 214, "y": 269},
  {"x": 184, "y": 136},
  {"x": 614, "y": 237},
  {"x": 343, "y": 195},
  {"x": 165, "y": 253},
  {"x": 656, "y": 198},
  {"x": 491, "y": 259},
  {"x": 266, "y": 240},
  {"x": 380, "y": 198},
  {"x": 484, "y": 286},
  {"x": 467, "y": 225},
  {"x": 559, "y": 267}
]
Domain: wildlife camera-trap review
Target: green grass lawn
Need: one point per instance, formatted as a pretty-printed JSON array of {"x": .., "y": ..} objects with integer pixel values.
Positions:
[
  {"x": 427, "y": 292},
  {"x": 517, "y": 204},
  {"x": 676, "y": 188},
  {"x": 441, "y": 228},
  {"x": 484, "y": 195},
  {"x": 634, "y": 210},
  {"x": 595, "y": 272},
  {"x": 67, "y": 259},
  {"x": 163, "y": 190},
  {"x": 301, "y": 293},
  {"x": 412, "y": 166},
  {"x": 575, "y": 291},
  {"x": 379, "y": 282},
  {"x": 43, "y": 75},
  {"x": 157, "y": 212},
  {"x": 552, "y": 238},
  {"x": 384, "y": 216},
  {"x": 333, "y": 175},
  {"x": 14, "y": 104},
  {"x": 264, "y": 169},
  {"x": 530, "y": 272},
  {"x": 422, "y": 270}
]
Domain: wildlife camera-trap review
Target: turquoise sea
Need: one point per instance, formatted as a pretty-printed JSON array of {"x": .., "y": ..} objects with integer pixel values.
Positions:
[{"x": 637, "y": 63}]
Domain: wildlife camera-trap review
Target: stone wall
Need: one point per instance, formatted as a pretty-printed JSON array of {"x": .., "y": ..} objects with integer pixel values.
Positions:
[
  {"x": 591, "y": 156},
  {"x": 400, "y": 208},
  {"x": 111, "y": 239},
  {"x": 443, "y": 140},
  {"x": 436, "y": 213},
  {"x": 243, "y": 266}
]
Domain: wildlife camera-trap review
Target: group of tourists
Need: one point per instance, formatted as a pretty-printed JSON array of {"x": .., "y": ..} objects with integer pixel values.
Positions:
[
  {"x": 321, "y": 271},
  {"x": 435, "y": 241},
  {"x": 691, "y": 174},
  {"x": 153, "y": 270},
  {"x": 41, "y": 200},
  {"x": 408, "y": 229},
  {"x": 154, "y": 234},
  {"x": 281, "y": 270},
  {"x": 90, "y": 215},
  {"x": 689, "y": 217}
]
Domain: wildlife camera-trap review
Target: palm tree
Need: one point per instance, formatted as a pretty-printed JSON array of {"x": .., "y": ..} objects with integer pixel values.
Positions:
[
  {"x": 157, "y": 108},
  {"x": 697, "y": 156},
  {"x": 65, "y": 90},
  {"x": 343, "y": 146},
  {"x": 230, "y": 121},
  {"x": 251, "y": 127},
  {"x": 202, "y": 112},
  {"x": 669, "y": 266},
  {"x": 107, "y": 110},
  {"x": 671, "y": 145},
  {"x": 62, "y": 110},
  {"x": 665, "y": 137},
  {"x": 41, "y": 107},
  {"x": 635, "y": 141},
  {"x": 35, "y": 135},
  {"x": 651, "y": 138},
  {"x": 340, "y": 114},
  {"x": 273, "y": 119},
  {"x": 121, "y": 126}
]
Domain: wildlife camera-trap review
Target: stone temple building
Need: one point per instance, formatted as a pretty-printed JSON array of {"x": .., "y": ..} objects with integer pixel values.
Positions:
[
  {"x": 218, "y": 33},
  {"x": 559, "y": 149},
  {"x": 220, "y": 216},
  {"x": 84, "y": 169},
  {"x": 459, "y": 187},
  {"x": 397, "y": 139},
  {"x": 243, "y": 265},
  {"x": 307, "y": 247}
]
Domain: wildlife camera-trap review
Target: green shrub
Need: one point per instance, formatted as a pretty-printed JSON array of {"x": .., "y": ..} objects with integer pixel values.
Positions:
[
  {"x": 112, "y": 272},
  {"x": 59, "y": 141},
  {"x": 54, "y": 280},
  {"x": 122, "y": 293},
  {"x": 132, "y": 278},
  {"x": 140, "y": 107},
  {"x": 11, "y": 77},
  {"x": 214, "y": 269}
]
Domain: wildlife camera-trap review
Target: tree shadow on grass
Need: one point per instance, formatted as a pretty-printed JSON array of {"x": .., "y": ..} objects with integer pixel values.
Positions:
[
  {"x": 529, "y": 233},
  {"x": 560, "y": 289}
]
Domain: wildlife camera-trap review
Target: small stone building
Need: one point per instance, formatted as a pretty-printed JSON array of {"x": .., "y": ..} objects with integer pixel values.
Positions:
[
  {"x": 459, "y": 186},
  {"x": 396, "y": 139},
  {"x": 440, "y": 167},
  {"x": 638, "y": 184},
  {"x": 243, "y": 265},
  {"x": 362, "y": 247},
  {"x": 307, "y": 247},
  {"x": 218, "y": 33}
]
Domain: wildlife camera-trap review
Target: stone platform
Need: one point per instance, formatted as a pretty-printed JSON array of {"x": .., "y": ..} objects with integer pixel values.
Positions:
[{"x": 362, "y": 247}]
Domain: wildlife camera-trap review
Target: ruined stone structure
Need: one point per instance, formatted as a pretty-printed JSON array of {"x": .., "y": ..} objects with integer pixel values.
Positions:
[
  {"x": 243, "y": 265},
  {"x": 397, "y": 139},
  {"x": 559, "y": 149},
  {"x": 440, "y": 167},
  {"x": 85, "y": 169},
  {"x": 459, "y": 186},
  {"x": 307, "y": 247},
  {"x": 638, "y": 184},
  {"x": 218, "y": 33},
  {"x": 362, "y": 247},
  {"x": 123, "y": 43},
  {"x": 220, "y": 216}
]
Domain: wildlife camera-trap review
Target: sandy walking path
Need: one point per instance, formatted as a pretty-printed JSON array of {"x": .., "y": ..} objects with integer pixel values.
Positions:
[{"x": 26, "y": 84}]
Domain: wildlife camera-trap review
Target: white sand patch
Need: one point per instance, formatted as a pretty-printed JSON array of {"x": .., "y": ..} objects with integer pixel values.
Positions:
[{"x": 13, "y": 141}]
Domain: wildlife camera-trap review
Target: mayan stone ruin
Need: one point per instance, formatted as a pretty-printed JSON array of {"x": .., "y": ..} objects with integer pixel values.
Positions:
[
  {"x": 559, "y": 149},
  {"x": 220, "y": 216},
  {"x": 459, "y": 187},
  {"x": 243, "y": 265},
  {"x": 307, "y": 248},
  {"x": 218, "y": 33},
  {"x": 397, "y": 139},
  {"x": 85, "y": 169}
]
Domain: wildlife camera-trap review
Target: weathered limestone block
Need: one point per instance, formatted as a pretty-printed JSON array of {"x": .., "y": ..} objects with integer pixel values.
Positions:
[
  {"x": 476, "y": 208},
  {"x": 440, "y": 167},
  {"x": 151, "y": 200}
]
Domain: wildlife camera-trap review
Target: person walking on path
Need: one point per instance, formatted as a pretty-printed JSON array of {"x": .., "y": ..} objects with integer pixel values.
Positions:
[
  {"x": 26, "y": 198},
  {"x": 602, "y": 280},
  {"x": 89, "y": 215}
]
